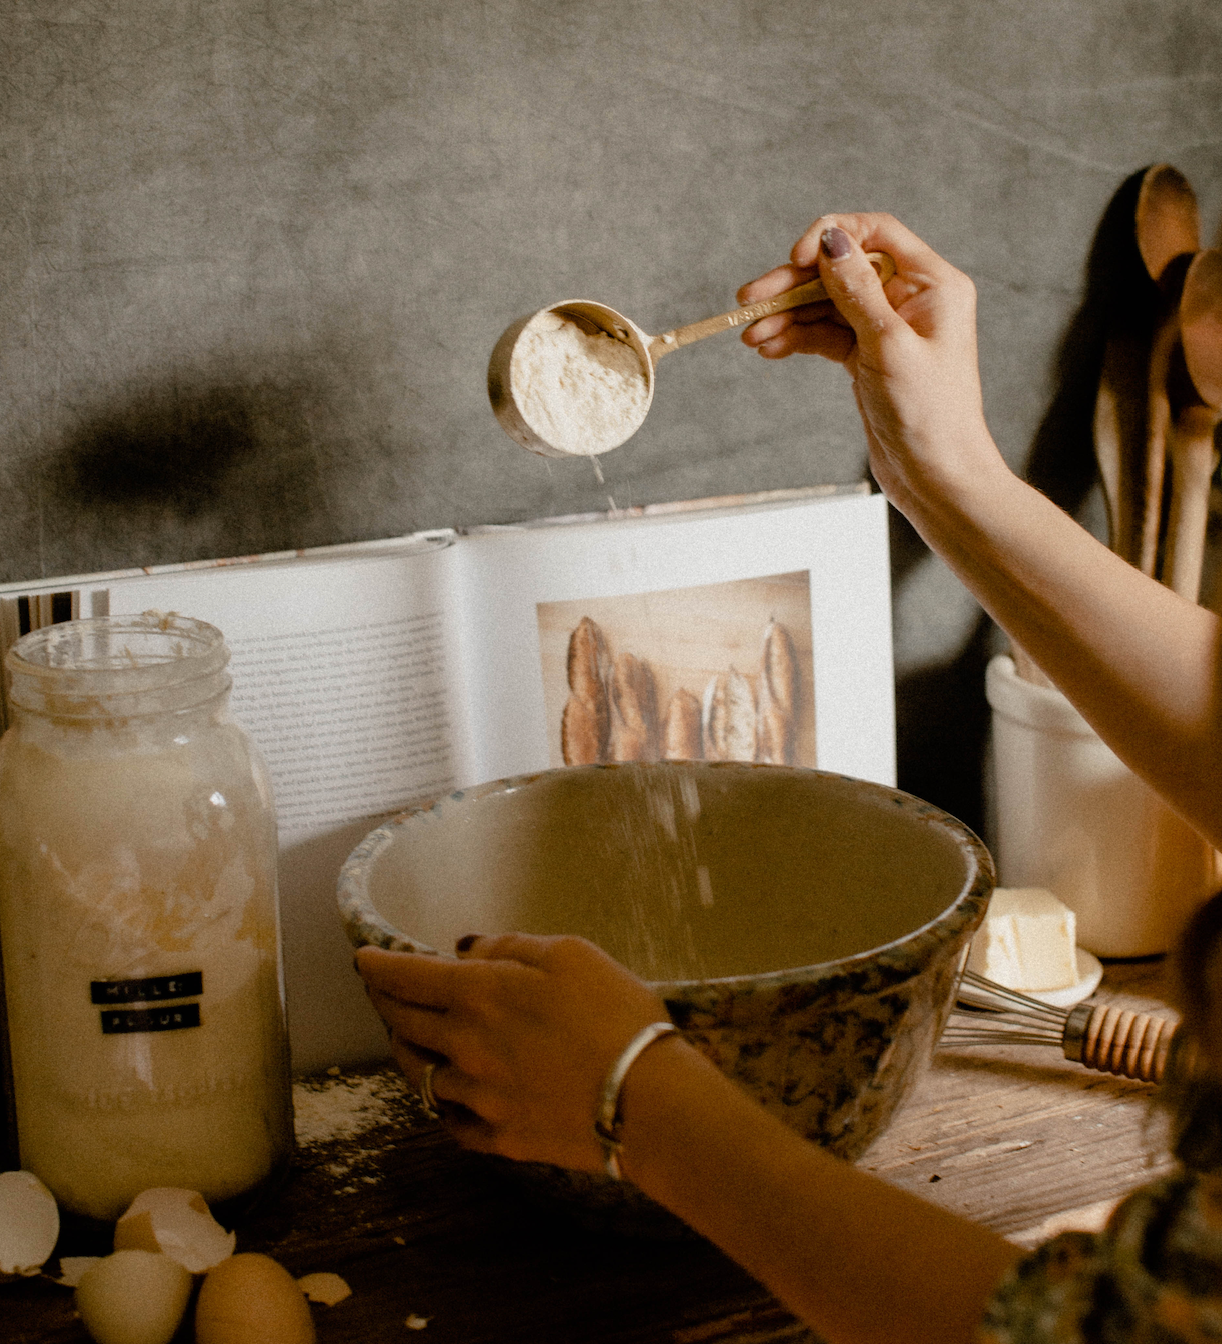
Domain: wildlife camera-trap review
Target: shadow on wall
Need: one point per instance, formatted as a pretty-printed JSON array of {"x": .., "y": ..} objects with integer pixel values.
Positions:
[
  {"x": 942, "y": 727},
  {"x": 190, "y": 470},
  {"x": 942, "y": 717},
  {"x": 1119, "y": 298},
  {"x": 168, "y": 450}
]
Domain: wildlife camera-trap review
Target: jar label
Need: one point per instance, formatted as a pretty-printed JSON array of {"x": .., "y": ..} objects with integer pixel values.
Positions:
[
  {"x": 118, "y": 1021},
  {"x": 185, "y": 986}
]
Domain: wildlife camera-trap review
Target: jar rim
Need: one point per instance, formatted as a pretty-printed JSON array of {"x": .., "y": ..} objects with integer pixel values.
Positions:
[{"x": 116, "y": 655}]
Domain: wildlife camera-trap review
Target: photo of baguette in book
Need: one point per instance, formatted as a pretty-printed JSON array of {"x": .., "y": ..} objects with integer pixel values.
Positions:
[{"x": 719, "y": 672}]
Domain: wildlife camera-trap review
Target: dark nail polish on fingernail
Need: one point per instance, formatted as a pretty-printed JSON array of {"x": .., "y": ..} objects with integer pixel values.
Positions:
[
  {"x": 466, "y": 942},
  {"x": 835, "y": 243}
]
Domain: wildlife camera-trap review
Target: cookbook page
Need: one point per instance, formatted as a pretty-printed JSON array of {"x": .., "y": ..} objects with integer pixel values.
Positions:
[
  {"x": 759, "y": 632},
  {"x": 339, "y": 674}
]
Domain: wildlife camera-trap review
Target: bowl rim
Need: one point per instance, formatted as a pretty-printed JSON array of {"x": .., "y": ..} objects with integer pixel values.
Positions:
[{"x": 364, "y": 925}]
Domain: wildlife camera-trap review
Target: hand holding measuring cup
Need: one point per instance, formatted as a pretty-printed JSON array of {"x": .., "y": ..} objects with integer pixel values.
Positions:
[
  {"x": 576, "y": 378},
  {"x": 910, "y": 352}
]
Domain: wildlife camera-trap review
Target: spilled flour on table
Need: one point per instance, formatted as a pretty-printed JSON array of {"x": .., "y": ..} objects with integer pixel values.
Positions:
[
  {"x": 342, "y": 1108},
  {"x": 350, "y": 1116}
]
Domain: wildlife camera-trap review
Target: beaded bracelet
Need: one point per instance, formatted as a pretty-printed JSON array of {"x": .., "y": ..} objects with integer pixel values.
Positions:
[{"x": 608, "y": 1124}]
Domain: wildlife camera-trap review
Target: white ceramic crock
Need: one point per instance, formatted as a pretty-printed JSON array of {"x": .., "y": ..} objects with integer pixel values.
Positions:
[{"x": 1073, "y": 818}]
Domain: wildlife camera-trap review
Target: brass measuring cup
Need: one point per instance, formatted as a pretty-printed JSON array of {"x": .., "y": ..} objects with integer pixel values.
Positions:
[{"x": 594, "y": 317}]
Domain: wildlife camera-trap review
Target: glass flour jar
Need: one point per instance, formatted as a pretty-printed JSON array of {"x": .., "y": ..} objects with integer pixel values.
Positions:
[{"x": 138, "y": 919}]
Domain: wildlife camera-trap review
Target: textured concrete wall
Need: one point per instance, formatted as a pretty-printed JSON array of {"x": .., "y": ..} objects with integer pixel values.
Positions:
[{"x": 254, "y": 256}]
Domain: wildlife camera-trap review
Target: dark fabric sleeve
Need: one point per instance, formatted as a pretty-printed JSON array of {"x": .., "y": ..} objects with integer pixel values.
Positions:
[{"x": 1153, "y": 1276}]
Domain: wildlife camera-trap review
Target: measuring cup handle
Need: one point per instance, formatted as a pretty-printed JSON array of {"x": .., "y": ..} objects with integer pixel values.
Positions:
[{"x": 813, "y": 291}]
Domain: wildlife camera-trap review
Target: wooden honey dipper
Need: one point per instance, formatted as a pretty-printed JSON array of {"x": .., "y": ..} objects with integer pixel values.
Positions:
[{"x": 1096, "y": 1035}]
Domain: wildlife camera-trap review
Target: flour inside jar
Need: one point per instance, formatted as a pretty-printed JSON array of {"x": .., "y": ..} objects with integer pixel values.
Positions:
[{"x": 580, "y": 393}]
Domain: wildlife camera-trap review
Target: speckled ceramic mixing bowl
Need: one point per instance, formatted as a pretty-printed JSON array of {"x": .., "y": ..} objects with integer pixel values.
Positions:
[{"x": 805, "y": 929}]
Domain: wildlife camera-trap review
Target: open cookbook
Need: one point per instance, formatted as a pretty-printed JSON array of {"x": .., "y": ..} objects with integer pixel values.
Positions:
[{"x": 379, "y": 674}]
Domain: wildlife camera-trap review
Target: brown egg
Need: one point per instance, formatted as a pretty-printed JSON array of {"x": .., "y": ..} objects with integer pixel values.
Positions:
[
  {"x": 250, "y": 1299},
  {"x": 133, "y": 1297}
]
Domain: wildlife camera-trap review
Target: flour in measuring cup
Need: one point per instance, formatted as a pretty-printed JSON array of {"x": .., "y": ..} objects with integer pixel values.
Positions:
[{"x": 582, "y": 394}]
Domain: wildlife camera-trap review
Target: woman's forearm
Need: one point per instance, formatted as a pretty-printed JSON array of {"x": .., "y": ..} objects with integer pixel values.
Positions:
[
  {"x": 1141, "y": 664},
  {"x": 857, "y": 1259},
  {"x": 529, "y": 1027}
]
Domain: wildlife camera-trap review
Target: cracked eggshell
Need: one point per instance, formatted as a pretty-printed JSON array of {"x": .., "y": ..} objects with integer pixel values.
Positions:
[
  {"x": 133, "y": 1297},
  {"x": 324, "y": 1287},
  {"x": 29, "y": 1224},
  {"x": 252, "y": 1299},
  {"x": 178, "y": 1223},
  {"x": 73, "y": 1268}
]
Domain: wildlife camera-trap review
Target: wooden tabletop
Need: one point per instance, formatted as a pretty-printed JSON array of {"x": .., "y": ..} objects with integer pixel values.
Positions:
[{"x": 1016, "y": 1137}]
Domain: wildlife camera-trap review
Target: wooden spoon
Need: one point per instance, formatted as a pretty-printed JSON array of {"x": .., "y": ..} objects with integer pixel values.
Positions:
[
  {"x": 593, "y": 317},
  {"x": 1198, "y": 410},
  {"x": 1120, "y": 438},
  {"x": 1168, "y": 226},
  {"x": 1163, "y": 219},
  {"x": 1168, "y": 218}
]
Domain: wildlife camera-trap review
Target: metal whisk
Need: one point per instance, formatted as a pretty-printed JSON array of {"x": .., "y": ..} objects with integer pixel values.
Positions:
[{"x": 1111, "y": 1040}]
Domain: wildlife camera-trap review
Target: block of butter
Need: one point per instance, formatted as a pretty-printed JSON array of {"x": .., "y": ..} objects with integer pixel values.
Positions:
[{"x": 1027, "y": 941}]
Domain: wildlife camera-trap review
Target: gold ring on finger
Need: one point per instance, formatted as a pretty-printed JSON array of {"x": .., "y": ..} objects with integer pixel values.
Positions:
[{"x": 428, "y": 1098}]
